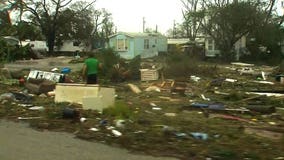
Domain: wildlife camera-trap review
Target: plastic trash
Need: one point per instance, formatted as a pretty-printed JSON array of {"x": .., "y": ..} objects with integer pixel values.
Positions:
[
  {"x": 103, "y": 122},
  {"x": 70, "y": 113},
  {"x": 65, "y": 70},
  {"x": 157, "y": 108},
  {"x": 37, "y": 108},
  {"x": 204, "y": 98},
  {"x": 94, "y": 129},
  {"x": 83, "y": 119},
  {"x": 201, "y": 136},
  {"x": 120, "y": 123},
  {"x": 116, "y": 133},
  {"x": 7, "y": 96},
  {"x": 180, "y": 135},
  {"x": 199, "y": 105},
  {"x": 216, "y": 107},
  {"x": 54, "y": 69},
  {"x": 194, "y": 78}
]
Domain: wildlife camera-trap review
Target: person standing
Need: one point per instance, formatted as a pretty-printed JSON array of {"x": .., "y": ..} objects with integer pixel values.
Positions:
[{"x": 90, "y": 69}]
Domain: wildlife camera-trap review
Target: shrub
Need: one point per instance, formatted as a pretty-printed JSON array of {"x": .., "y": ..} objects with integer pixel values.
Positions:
[
  {"x": 183, "y": 66},
  {"x": 120, "y": 110}
]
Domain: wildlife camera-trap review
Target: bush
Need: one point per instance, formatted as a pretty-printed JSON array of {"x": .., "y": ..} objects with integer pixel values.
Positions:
[
  {"x": 120, "y": 110},
  {"x": 184, "y": 66},
  {"x": 10, "y": 53}
]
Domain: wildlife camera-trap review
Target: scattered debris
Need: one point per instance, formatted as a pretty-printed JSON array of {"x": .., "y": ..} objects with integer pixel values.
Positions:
[
  {"x": 170, "y": 114},
  {"x": 204, "y": 98},
  {"x": 149, "y": 74},
  {"x": 37, "y": 108},
  {"x": 28, "y": 118},
  {"x": 70, "y": 113},
  {"x": 264, "y": 109},
  {"x": 264, "y": 133},
  {"x": 153, "y": 88},
  {"x": 94, "y": 129},
  {"x": 36, "y": 74},
  {"x": 120, "y": 123},
  {"x": 116, "y": 133},
  {"x": 195, "y": 78},
  {"x": 134, "y": 88},
  {"x": 229, "y": 117},
  {"x": 83, "y": 119},
  {"x": 198, "y": 135}
]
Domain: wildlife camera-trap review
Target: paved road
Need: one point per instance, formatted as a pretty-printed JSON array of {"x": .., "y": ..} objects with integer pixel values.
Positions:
[
  {"x": 19, "y": 142},
  {"x": 45, "y": 64}
]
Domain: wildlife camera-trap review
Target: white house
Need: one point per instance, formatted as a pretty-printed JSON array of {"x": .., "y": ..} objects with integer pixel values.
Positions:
[
  {"x": 72, "y": 46},
  {"x": 36, "y": 45}
]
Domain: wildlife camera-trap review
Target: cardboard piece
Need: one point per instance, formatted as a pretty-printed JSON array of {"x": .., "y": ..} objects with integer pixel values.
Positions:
[{"x": 90, "y": 96}]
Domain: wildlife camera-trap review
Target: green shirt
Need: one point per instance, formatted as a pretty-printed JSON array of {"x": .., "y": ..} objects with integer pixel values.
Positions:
[{"x": 92, "y": 65}]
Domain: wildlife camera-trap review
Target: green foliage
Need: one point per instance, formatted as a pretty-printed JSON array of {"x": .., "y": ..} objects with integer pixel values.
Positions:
[
  {"x": 268, "y": 36},
  {"x": 108, "y": 58},
  {"x": 227, "y": 24},
  {"x": 117, "y": 69},
  {"x": 10, "y": 53},
  {"x": 180, "y": 65},
  {"x": 120, "y": 110},
  {"x": 134, "y": 67},
  {"x": 26, "y": 30}
]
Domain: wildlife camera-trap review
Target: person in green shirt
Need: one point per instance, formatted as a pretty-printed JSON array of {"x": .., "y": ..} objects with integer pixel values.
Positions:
[{"x": 90, "y": 69}]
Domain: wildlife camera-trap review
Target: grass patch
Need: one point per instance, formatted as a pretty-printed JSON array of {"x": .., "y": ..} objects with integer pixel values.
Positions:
[{"x": 120, "y": 110}]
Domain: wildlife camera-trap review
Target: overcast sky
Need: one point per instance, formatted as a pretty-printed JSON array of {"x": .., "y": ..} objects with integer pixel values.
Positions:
[{"x": 128, "y": 14}]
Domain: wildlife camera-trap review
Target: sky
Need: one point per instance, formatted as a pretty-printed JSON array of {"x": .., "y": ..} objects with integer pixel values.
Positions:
[{"x": 128, "y": 14}]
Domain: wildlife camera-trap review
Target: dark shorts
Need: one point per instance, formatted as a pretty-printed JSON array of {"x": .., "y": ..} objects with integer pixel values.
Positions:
[{"x": 92, "y": 79}]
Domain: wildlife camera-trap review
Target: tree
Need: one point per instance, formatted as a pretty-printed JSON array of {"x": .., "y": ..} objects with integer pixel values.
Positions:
[
  {"x": 26, "y": 30},
  {"x": 76, "y": 23},
  {"x": 103, "y": 28},
  {"x": 226, "y": 24},
  {"x": 193, "y": 16},
  {"x": 45, "y": 13}
]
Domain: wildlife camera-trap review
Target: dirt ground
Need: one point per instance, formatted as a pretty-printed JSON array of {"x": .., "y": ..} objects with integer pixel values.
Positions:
[
  {"x": 198, "y": 117},
  {"x": 18, "y": 141}
]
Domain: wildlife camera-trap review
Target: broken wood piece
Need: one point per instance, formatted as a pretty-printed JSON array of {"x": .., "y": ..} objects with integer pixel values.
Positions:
[
  {"x": 28, "y": 118},
  {"x": 229, "y": 117},
  {"x": 134, "y": 88},
  {"x": 153, "y": 88},
  {"x": 267, "y": 94}
]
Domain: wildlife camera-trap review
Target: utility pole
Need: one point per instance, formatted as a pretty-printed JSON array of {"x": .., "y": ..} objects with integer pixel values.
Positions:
[
  {"x": 156, "y": 28},
  {"x": 174, "y": 29},
  {"x": 144, "y": 22}
]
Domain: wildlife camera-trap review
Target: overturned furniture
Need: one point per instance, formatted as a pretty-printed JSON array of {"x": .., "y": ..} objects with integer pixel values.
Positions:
[{"x": 90, "y": 96}]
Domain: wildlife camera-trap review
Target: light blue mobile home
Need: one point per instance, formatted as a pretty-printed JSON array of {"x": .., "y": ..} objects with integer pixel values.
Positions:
[{"x": 130, "y": 45}]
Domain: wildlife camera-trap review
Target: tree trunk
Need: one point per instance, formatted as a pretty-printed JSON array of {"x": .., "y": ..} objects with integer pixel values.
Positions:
[{"x": 51, "y": 42}]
